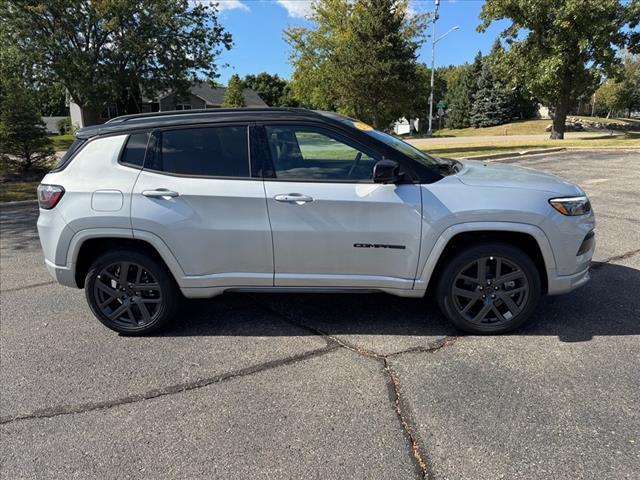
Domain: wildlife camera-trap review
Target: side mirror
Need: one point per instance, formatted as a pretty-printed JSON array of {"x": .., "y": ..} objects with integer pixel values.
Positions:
[{"x": 386, "y": 171}]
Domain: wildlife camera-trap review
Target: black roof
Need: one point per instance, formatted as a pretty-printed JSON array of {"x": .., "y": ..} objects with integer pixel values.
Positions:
[{"x": 126, "y": 123}]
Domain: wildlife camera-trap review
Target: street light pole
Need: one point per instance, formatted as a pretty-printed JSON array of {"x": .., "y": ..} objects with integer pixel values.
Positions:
[{"x": 433, "y": 64}]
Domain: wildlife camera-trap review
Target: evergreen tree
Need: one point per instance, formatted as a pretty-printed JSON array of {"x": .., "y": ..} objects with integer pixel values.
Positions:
[
  {"x": 490, "y": 102},
  {"x": 460, "y": 95},
  {"x": 23, "y": 136},
  {"x": 233, "y": 97}
]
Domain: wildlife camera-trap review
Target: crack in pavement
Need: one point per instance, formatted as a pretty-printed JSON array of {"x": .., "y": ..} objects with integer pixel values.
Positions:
[
  {"x": 407, "y": 425},
  {"x": 25, "y": 287},
  {"x": 59, "y": 410},
  {"x": 616, "y": 217},
  {"x": 615, "y": 258},
  {"x": 418, "y": 453}
]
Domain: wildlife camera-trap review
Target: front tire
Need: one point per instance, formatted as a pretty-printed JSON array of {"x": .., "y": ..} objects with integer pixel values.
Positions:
[
  {"x": 489, "y": 288},
  {"x": 131, "y": 293}
]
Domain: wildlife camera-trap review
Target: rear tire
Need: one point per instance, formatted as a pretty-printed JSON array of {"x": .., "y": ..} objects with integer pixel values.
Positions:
[
  {"x": 489, "y": 288},
  {"x": 131, "y": 293}
]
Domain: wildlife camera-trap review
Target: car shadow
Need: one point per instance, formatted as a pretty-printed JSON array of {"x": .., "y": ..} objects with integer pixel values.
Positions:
[{"x": 609, "y": 305}]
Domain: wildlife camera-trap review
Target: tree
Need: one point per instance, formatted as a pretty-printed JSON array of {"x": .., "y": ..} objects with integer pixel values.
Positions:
[
  {"x": 23, "y": 136},
  {"x": 631, "y": 82},
  {"x": 234, "y": 97},
  {"x": 560, "y": 49},
  {"x": 271, "y": 88},
  {"x": 490, "y": 103},
  {"x": 359, "y": 58},
  {"x": 115, "y": 51},
  {"x": 461, "y": 92},
  {"x": 610, "y": 96}
]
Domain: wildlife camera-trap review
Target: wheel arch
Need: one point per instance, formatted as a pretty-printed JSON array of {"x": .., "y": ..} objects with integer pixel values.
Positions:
[
  {"x": 87, "y": 245},
  {"x": 530, "y": 238}
]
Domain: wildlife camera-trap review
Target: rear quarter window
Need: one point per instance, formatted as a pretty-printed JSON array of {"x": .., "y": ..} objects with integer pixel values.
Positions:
[{"x": 135, "y": 149}]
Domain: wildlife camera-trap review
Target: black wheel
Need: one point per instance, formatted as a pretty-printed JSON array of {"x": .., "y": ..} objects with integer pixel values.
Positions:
[
  {"x": 131, "y": 293},
  {"x": 489, "y": 288}
]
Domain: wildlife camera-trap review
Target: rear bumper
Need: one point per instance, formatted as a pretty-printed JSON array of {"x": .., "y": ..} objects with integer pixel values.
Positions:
[
  {"x": 559, "y": 284},
  {"x": 63, "y": 275}
]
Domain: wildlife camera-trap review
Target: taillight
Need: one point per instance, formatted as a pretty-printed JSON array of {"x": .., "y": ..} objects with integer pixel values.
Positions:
[{"x": 49, "y": 195}]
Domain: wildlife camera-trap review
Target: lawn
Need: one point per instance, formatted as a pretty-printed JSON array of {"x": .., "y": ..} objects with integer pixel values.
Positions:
[
  {"x": 14, "y": 191},
  {"x": 473, "y": 148},
  {"x": 61, "y": 142},
  {"x": 525, "y": 127}
]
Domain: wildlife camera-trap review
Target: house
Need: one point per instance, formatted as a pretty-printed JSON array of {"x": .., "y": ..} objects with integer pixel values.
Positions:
[{"x": 201, "y": 95}]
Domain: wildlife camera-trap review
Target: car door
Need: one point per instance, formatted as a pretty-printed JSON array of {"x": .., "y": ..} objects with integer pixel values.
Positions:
[
  {"x": 196, "y": 193},
  {"x": 332, "y": 226}
]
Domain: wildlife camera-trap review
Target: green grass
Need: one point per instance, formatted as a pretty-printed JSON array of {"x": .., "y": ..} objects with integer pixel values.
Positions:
[
  {"x": 525, "y": 127},
  {"x": 473, "y": 148},
  {"x": 61, "y": 142},
  {"x": 14, "y": 191}
]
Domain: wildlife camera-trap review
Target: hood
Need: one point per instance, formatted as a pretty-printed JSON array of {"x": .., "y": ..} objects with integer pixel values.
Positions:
[{"x": 479, "y": 174}]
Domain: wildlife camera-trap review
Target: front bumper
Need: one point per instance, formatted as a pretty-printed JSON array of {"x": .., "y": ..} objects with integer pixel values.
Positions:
[{"x": 559, "y": 284}]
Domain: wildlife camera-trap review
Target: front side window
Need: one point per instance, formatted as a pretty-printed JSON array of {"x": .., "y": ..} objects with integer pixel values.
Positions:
[
  {"x": 306, "y": 154},
  {"x": 206, "y": 151}
]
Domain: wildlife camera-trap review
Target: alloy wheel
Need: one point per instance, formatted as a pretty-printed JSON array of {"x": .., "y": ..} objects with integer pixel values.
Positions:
[
  {"x": 490, "y": 291},
  {"x": 128, "y": 295}
]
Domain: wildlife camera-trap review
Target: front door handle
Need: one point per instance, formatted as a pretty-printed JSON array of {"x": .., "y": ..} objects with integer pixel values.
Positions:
[
  {"x": 160, "y": 193},
  {"x": 297, "y": 198}
]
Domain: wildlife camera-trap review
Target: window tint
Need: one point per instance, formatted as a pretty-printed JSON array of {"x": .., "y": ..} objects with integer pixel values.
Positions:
[
  {"x": 135, "y": 149},
  {"x": 304, "y": 154},
  {"x": 209, "y": 151}
]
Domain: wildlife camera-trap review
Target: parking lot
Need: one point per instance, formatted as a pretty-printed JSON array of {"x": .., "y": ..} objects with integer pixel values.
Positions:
[{"x": 330, "y": 386}]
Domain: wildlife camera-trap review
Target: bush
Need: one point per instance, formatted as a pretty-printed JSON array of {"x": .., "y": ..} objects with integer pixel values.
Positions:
[
  {"x": 64, "y": 126},
  {"x": 23, "y": 136}
]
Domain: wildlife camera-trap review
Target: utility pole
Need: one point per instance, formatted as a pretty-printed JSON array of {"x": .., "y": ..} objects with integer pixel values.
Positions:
[
  {"x": 435, "y": 40},
  {"x": 434, "y": 19}
]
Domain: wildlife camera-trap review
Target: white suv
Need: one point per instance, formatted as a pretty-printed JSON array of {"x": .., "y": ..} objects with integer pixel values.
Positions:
[{"x": 148, "y": 208}]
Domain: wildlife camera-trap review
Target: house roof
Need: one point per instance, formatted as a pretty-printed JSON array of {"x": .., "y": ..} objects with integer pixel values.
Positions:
[{"x": 213, "y": 96}]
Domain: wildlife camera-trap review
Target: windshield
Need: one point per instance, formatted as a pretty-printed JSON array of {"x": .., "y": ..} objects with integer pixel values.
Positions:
[
  {"x": 393, "y": 142},
  {"x": 403, "y": 147}
]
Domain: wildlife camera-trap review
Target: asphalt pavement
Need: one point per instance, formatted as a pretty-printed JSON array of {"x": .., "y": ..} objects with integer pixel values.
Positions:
[{"x": 330, "y": 386}]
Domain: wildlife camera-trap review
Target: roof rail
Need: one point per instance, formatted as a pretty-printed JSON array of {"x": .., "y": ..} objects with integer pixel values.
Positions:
[{"x": 137, "y": 116}]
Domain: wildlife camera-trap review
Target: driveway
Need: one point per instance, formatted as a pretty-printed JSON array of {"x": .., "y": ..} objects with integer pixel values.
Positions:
[{"x": 330, "y": 386}]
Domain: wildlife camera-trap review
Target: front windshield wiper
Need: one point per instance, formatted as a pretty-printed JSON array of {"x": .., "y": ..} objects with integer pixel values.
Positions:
[{"x": 447, "y": 165}]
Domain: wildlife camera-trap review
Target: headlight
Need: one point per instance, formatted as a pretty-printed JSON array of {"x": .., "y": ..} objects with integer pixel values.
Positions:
[{"x": 571, "y": 205}]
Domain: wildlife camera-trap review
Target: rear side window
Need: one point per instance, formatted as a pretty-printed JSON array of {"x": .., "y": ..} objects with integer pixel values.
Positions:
[
  {"x": 206, "y": 151},
  {"x": 133, "y": 153}
]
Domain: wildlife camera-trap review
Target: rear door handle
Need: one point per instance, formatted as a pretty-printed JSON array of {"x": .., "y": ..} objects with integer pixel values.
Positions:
[
  {"x": 297, "y": 198},
  {"x": 160, "y": 193}
]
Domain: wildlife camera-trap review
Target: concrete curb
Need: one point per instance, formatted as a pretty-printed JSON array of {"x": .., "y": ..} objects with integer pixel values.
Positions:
[{"x": 498, "y": 156}]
